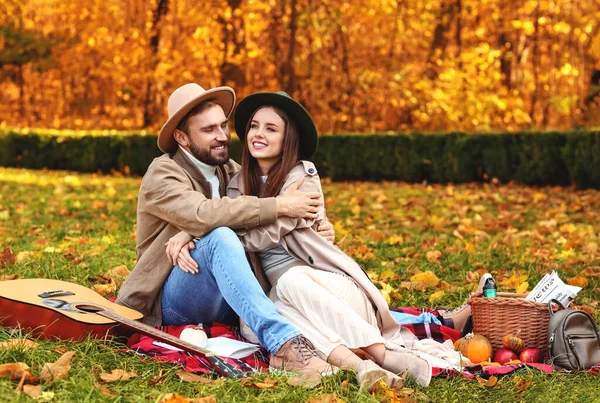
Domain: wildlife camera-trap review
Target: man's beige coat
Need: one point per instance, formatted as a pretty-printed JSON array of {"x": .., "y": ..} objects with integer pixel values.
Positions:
[
  {"x": 175, "y": 196},
  {"x": 300, "y": 239}
]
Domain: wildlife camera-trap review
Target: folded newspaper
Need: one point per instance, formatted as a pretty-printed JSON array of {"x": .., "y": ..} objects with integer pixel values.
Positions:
[{"x": 552, "y": 287}]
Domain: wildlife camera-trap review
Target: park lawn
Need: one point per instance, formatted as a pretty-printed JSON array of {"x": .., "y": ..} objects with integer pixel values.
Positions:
[{"x": 76, "y": 227}]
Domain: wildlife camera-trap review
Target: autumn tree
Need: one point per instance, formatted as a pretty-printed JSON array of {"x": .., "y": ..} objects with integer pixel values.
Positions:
[{"x": 364, "y": 66}]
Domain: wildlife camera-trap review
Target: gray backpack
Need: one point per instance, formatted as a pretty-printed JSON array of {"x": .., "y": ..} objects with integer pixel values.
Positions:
[{"x": 573, "y": 337}]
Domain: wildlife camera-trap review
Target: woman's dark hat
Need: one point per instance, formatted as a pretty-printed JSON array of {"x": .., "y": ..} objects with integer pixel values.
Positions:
[{"x": 307, "y": 130}]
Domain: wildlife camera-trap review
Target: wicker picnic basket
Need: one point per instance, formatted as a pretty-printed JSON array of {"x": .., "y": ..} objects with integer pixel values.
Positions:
[{"x": 511, "y": 314}]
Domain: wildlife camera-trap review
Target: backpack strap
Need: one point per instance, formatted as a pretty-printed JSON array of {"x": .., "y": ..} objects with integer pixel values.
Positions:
[{"x": 554, "y": 301}]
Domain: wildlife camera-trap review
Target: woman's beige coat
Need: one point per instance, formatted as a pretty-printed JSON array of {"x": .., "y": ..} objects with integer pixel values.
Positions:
[{"x": 300, "y": 239}]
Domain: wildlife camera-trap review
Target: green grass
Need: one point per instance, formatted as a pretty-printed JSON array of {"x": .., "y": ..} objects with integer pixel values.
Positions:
[{"x": 74, "y": 227}]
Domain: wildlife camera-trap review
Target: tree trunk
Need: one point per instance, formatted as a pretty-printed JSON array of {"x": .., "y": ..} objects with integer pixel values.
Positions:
[
  {"x": 21, "y": 91},
  {"x": 458, "y": 33},
  {"x": 536, "y": 62},
  {"x": 440, "y": 42},
  {"x": 289, "y": 74},
  {"x": 162, "y": 7},
  {"x": 234, "y": 34}
]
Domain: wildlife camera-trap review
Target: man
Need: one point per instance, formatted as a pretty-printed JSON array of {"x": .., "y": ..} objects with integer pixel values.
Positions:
[{"x": 181, "y": 191}]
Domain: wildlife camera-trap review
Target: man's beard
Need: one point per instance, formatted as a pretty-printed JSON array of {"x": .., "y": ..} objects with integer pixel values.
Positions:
[{"x": 206, "y": 156}]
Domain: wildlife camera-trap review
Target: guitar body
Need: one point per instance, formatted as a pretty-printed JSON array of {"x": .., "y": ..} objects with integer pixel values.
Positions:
[
  {"x": 58, "y": 309},
  {"x": 21, "y": 305}
]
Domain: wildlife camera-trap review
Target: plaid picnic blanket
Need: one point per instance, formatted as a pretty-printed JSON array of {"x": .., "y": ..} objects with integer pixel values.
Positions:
[
  {"x": 194, "y": 363},
  {"x": 260, "y": 359}
]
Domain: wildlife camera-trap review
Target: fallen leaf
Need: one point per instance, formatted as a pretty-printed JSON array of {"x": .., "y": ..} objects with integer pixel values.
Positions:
[
  {"x": 490, "y": 382},
  {"x": 457, "y": 234},
  {"x": 522, "y": 288},
  {"x": 177, "y": 398},
  {"x": 59, "y": 369},
  {"x": 117, "y": 375},
  {"x": 117, "y": 274},
  {"x": 488, "y": 363},
  {"x": 18, "y": 344},
  {"x": 591, "y": 271},
  {"x": 381, "y": 386},
  {"x": 436, "y": 297},
  {"x": 427, "y": 277},
  {"x": 158, "y": 379},
  {"x": 268, "y": 383},
  {"x": 578, "y": 281},
  {"x": 386, "y": 290},
  {"x": 98, "y": 204},
  {"x": 262, "y": 385},
  {"x": 585, "y": 308},
  {"x": 24, "y": 256},
  {"x": 521, "y": 383},
  {"x": 105, "y": 289},
  {"x": 173, "y": 398},
  {"x": 472, "y": 277},
  {"x": 308, "y": 379},
  {"x": 40, "y": 242},
  {"x": 433, "y": 256},
  {"x": 414, "y": 285},
  {"x": 7, "y": 277},
  {"x": 16, "y": 371},
  {"x": 205, "y": 399},
  {"x": 514, "y": 281},
  {"x": 395, "y": 240},
  {"x": 104, "y": 390},
  {"x": 7, "y": 257},
  {"x": 387, "y": 275},
  {"x": 189, "y": 377},
  {"x": 33, "y": 391},
  {"x": 325, "y": 398}
]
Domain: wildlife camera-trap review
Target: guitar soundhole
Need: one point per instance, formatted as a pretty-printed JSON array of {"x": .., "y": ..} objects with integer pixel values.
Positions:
[{"x": 89, "y": 308}]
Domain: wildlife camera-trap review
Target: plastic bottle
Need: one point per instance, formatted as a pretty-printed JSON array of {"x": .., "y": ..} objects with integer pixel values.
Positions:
[{"x": 489, "y": 288}]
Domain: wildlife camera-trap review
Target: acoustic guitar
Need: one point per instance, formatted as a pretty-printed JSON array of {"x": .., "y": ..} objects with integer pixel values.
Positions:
[{"x": 58, "y": 309}]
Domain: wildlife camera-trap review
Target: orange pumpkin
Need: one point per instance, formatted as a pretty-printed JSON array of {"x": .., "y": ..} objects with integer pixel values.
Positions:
[
  {"x": 475, "y": 347},
  {"x": 513, "y": 342}
]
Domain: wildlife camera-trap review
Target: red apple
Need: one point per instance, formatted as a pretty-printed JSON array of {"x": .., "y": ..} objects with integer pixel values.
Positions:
[
  {"x": 529, "y": 355},
  {"x": 504, "y": 355}
]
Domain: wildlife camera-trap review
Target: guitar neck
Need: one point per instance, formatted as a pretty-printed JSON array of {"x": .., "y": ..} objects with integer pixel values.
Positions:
[{"x": 155, "y": 333}]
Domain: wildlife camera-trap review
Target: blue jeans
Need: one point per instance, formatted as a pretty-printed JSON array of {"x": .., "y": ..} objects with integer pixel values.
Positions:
[{"x": 225, "y": 281}]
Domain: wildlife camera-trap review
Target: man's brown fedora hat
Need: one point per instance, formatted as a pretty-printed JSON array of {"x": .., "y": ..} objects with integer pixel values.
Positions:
[{"x": 183, "y": 100}]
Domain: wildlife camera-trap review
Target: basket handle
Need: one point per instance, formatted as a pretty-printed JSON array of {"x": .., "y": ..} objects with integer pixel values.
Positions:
[
  {"x": 510, "y": 294},
  {"x": 554, "y": 301}
]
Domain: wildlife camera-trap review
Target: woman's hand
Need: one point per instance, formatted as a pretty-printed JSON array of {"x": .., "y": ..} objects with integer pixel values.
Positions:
[
  {"x": 178, "y": 252},
  {"x": 325, "y": 229}
]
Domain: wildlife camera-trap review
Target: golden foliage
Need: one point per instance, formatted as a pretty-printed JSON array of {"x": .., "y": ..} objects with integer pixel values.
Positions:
[{"x": 358, "y": 66}]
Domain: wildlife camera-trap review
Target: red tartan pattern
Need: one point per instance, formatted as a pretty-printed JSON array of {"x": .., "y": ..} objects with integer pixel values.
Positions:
[
  {"x": 194, "y": 363},
  {"x": 260, "y": 361}
]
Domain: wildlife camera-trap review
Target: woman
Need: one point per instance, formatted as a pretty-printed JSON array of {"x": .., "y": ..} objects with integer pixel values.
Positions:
[{"x": 314, "y": 284}]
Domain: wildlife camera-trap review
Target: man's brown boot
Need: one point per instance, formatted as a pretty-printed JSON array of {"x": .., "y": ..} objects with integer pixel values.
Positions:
[{"x": 299, "y": 355}]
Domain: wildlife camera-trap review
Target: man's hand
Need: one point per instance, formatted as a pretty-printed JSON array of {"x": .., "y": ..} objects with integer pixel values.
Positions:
[
  {"x": 325, "y": 229},
  {"x": 297, "y": 204}
]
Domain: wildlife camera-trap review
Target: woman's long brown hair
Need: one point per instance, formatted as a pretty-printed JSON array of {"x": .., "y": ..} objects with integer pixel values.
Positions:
[{"x": 253, "y": 185}]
